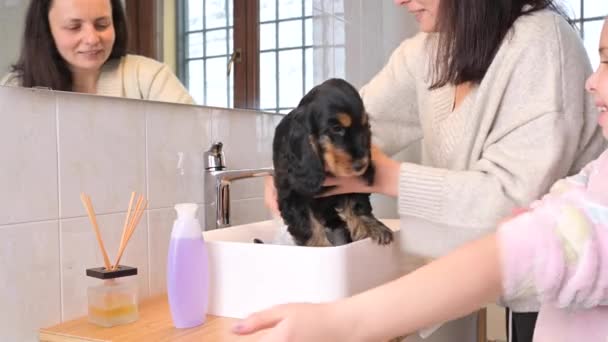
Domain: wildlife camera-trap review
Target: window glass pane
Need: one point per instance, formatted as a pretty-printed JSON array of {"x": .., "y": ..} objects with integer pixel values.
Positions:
[
  {"x": 216, "y": 43},
  {"x": 230, "y": 12},
  {"x": 308, "y": 7},
  {"x": 596, "y": 8},
  {"x": 593, "y": 30},
  {"x": 195, "y": 45},
  {"x": 196, "y": 80},
  {"x": 340, "y": 62},
  {"x": 309, "y": 79},
  {"x": 268, "y": 10},
  {"x": 215, "y": 13},
  {"x": 290, "y": 9},
  {"x": 308, "y": 33},
  {"x": 337, "y": 6},
  {"x": 268, "y": 36},
  {"x": 195, "y": 15},
  {"x": 338, "y": 34},
  {"x": 290, "y": 78},
  {"x": 216, "y": 82},
  {"x": 231, "y": 39},
  {"x": 290, "y": 33},
  {"x": 268, "y": 86}
]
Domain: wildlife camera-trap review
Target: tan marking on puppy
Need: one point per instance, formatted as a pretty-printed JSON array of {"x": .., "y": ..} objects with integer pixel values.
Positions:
[
  {"x": 337, "y": 161},
  {"x": 355, "y": 225},
  {"x": 361, "y": 227},
  {"x": 318, "y": 238},
  {"x": 344, "y": 119}
]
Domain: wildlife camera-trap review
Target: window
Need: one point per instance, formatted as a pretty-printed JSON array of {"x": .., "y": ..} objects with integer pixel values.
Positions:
[
  {"x": 291, "y": 39},
  {"x": 205, "y": 46},
  {"x": 589, "y": 17}
]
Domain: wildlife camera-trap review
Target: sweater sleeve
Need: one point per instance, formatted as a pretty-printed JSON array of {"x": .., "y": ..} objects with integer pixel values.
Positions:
[
  {"x": 390, "y": 99},
  {"x": 10, "y": 79},
  {"x": 148, "y": 79},
  {"x": 166, "y": 87},
  {"x": 532, "y": 127},
  {"x": 558, "y": 252}
]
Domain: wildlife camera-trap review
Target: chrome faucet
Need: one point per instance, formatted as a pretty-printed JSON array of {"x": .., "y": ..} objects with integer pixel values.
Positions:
[{"x": 218, "y": 180}]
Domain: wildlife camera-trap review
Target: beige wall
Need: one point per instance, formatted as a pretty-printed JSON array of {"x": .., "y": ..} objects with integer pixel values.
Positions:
[
  {"x": 12, "y": 17},
  {"x": 169, "y": 32}
]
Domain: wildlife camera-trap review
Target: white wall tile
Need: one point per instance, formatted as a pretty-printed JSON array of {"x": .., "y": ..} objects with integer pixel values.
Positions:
[
  {"x": 174, "y": 129},
  {"x": 30, "y": 282},
  {"x": 81, "y": 251},
  {"x": 101, "y": 152},
  {"x": 249, "y": 210},
  {"x": 28, "y": 155},
  {"x": 159, "y": 231}
]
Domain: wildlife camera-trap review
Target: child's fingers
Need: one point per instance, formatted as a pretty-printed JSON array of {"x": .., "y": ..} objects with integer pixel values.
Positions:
[{"x": 258, "y": 321}]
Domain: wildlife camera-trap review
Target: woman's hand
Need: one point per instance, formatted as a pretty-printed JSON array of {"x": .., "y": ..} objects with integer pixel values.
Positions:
[
  {"x": 299, "y": 322},
  {"x": 386, "y": 180}
]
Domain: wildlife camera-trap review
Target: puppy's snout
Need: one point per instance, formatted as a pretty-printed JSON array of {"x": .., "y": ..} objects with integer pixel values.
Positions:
[{"x": 359, "y": 165}]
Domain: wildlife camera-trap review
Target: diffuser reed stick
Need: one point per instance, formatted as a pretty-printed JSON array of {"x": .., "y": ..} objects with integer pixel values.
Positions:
[
  {"x": 86, "y": 200},
  {"x": 128, "y": 230},
  {"x": 131, "y": 221}
]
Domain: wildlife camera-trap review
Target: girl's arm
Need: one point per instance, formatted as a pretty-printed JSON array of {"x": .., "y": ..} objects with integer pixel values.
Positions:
[{"x": 445, "y": 289}]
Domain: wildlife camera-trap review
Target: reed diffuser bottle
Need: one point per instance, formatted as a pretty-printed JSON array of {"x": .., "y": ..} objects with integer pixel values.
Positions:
[
  {"x": 114, "y": 301},
  {"x": 187, "y": 269}
]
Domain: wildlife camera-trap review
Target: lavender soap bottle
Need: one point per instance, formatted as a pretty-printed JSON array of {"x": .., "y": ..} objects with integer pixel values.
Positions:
[{"x": 187, "y": 269}]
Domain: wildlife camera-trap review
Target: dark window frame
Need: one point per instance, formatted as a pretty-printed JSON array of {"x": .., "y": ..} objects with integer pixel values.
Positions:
[
  {"x": 141, "y": 22},
  {"x": 245, "y": 67}
]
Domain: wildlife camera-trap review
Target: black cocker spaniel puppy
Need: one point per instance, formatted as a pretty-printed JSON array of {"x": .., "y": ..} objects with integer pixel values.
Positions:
[{"x": 327, "y": 134}]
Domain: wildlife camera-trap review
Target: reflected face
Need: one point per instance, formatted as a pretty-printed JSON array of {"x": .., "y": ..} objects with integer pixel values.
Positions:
[
  {"x": 83, "y": 32},
  {"x": 597, "y": 84},
  {"x": 425, "y": 12}
]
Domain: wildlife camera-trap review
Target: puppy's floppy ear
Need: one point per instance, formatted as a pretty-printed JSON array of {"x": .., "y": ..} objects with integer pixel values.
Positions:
[{"x": 305, "y": 168}]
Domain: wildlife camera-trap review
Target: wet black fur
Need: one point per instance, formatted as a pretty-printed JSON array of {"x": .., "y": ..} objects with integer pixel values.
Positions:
[{"x": 300, "y": 168}]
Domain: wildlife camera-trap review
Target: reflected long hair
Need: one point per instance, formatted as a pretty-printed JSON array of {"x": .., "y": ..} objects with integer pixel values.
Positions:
[
  {"x": 470, "y": 33},
  {"x": 40, "y": 64}
]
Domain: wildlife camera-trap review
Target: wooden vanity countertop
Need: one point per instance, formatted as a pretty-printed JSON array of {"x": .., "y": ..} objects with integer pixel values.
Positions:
[{"x": 154, "y": 324}]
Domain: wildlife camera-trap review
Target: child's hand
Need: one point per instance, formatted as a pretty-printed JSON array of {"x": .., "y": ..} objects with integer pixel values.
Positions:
[{"x": 297, "y": 322}]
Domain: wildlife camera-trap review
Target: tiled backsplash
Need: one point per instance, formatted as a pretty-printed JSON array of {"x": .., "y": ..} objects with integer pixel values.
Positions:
[{"x": 54, "y": 145}]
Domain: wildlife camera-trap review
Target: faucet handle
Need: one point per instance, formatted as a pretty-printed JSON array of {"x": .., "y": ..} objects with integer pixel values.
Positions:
[{"x": 214, "y": 158}]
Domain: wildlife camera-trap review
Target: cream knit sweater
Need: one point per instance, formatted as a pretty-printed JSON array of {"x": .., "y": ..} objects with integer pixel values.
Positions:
[
  {"x": 526, "y": 125},
  {"x": 134, "y": 77}
]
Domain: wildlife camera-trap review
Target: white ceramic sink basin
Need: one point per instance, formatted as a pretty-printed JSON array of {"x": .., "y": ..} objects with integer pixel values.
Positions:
[{"x": 247, "y": 277}]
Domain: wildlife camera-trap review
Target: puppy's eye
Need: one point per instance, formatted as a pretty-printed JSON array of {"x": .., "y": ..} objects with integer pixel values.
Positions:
[{"x": 337, "y": 130}]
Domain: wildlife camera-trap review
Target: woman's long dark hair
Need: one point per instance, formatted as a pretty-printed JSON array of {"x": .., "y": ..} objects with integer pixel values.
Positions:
[
  {"x": 470, "y": 34},
  {"x": 40, "y": 64}
]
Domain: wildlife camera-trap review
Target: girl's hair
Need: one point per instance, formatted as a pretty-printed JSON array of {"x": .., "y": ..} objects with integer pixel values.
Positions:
[
  {"x": 40, "y": 64},
  {"x": 471, "y": 32}
]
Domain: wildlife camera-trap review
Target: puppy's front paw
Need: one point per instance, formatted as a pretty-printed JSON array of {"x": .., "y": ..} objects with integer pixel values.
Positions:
[
  {"x": 379, "y": 233},
  {"x": 369, "y": 226}
]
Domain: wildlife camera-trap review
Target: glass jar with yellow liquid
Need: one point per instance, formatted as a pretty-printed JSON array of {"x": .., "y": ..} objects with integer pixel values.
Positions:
[{"x": 114, "y": 301}]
